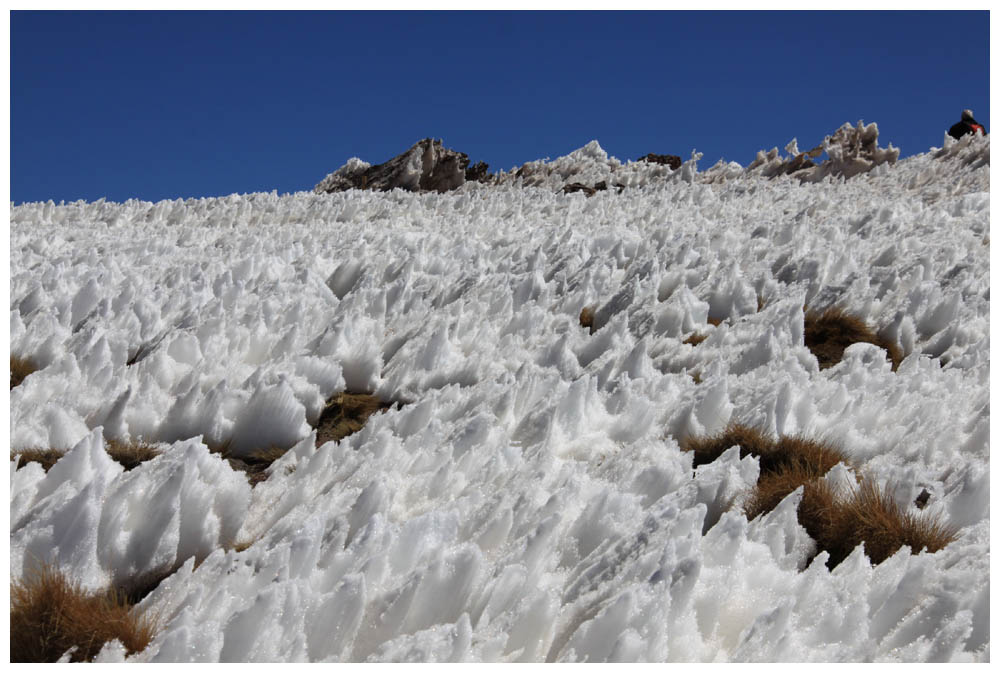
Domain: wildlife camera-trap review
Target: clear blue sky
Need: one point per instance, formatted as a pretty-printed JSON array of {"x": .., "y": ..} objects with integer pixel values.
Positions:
[{"x": 157, "y": 105}]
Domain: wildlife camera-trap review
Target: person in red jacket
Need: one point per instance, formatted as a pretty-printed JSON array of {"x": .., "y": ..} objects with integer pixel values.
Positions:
[{"x": 966, "y": 126}]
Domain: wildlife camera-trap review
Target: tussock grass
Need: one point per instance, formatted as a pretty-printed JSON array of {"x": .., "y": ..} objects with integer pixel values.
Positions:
[
  {"x": 50, "y": 614},
  {"x": 259, "y": 461},
  {"x": 20, "y": 368},
  {"x": 773, "y": 487},
  {"x": 44, "y": 457},
  {"x": 695, "y": 338},
  {"x": 829, "y": 332},
  {"x": 254, "y": 465},
  {"x": 872, "y": 516},
  {"x": 130, "y": 454},
  {"x": 794, "y": 452},
  {"x": 706, "y": 449},
  {"x": 345, "y": 414},
  {"x": 838, "y": 523},
  {"x": 795, "y": 457}
]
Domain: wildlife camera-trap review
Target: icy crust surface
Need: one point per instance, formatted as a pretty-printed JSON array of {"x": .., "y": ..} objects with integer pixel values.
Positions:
[{"x": 529, "y": 501}]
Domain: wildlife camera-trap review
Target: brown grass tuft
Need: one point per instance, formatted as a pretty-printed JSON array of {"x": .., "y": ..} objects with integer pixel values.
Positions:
[
  {"x": 49, "y": 615},
  {"x": 773, "y": 487},
  {"x": 695, "y": 338},
  {"x": 838, "y": 524},
  {"x": 44, "y": 457},
  {"x": 254, "y": 465},
  {"x": 587, "y": 318},
  {"x": 872, "y": 516},
  {"x": 794, "y": 452},
  {"x": 828, "y": 333},
  {"x": 130, "y": 454},
  {"x": 20, "y": 368},
  {"x": 788, "y": 463},
  {"x": 259, "y": 461},
  {"x": 706, "y": 449},
  {"x": 715, "y": 321},
  {"x": 345, "y": 414}
]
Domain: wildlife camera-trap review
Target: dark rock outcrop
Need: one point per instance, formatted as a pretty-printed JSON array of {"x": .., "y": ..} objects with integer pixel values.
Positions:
[
  {"x": 671, "y": 160},
  {"x": 579, "y": 187},
  {"x": 590, "y": 191},
  {"x": 428, "y": 166},
  {"x": 477, "y": 172}
]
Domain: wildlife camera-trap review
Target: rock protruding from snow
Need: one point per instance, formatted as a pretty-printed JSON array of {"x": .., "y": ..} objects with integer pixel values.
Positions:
[
  {"x": 851, "y": 150},
  {"x": 428, "y": 166},
  {"x": 671, "y": 160}
]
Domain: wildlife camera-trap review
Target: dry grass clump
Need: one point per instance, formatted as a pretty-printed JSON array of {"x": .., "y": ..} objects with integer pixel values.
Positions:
[
  {"x": 254, "y": 465},
  {"x": 872, "y": 516},
  {"x": 49, "y": 615},
  {"x": 773, "y": 487},
  {"x": 838, "y": 524},
  {"x": 345, "y": 414},
  {"x": 130, "y": 454},
  {"x": 793, "y": 453},
  {"x": 750, "y": 440},
  {"x": 20, "y": 368},
  {"x": 695, "y": 338},
  {"x": 829, "y": 332},
  {"x": 258, "y": 462},
  {"x": 44, "y": 457},
  {"x": 785, "y": 463}
]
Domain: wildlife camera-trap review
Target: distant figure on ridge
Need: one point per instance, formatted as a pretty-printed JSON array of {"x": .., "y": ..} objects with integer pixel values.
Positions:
[{"x": 966, "y": 126}]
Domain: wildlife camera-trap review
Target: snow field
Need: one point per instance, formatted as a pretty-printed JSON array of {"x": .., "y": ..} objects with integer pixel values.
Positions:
[{"x": 528, "y": 501}]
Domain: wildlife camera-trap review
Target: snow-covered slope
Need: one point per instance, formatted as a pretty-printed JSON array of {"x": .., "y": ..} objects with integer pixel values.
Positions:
[{"x": 528, "y": 499}]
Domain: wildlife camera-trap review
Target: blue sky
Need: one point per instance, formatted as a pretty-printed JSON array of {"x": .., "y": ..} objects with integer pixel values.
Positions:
[{"x": 158, "y": 105}]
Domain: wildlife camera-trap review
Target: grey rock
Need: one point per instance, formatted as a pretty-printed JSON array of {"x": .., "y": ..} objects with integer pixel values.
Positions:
[{"x": 428, "y": 166}]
